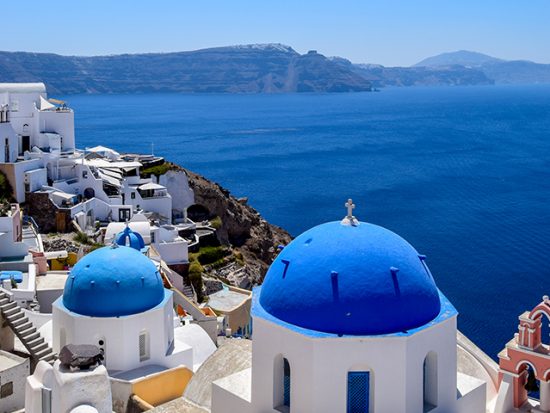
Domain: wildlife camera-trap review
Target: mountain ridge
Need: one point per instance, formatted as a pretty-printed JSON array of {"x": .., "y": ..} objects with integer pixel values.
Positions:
[
  {"x": 271, "y": 68},
  {"x": 460, "y": 57},
  {"x": 255, "y": 68}
]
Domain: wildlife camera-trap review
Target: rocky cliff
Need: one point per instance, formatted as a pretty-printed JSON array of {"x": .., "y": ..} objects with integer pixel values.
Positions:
[{"x": 241, "y": 226}]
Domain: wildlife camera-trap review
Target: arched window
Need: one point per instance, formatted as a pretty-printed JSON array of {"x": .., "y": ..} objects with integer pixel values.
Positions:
[
  {"x": 529, "y": 380},
  {"x": 286, "y": 383},
  {"x": 89, "y": 193},
  {"x": 281, "y": 384},
  {"x": 358, "y": 392},
  {"x": 430, "y": 381}
]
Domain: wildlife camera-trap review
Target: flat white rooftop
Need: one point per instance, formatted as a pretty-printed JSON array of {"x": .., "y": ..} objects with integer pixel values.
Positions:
[
  {"x": 53, "y": 280},
  {"x": 226, "y": 300},
  {"x": 22, "y": 87},
  {"x": 8, "y": 360}
]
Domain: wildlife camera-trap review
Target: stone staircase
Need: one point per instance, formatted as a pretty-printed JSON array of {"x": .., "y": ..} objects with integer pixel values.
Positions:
[
  {"x": 25, "y": 331},
  {"x": 188, "y": 292}
]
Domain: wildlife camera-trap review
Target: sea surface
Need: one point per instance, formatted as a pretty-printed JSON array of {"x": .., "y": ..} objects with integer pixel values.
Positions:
[{"x": 462, "y": 173}]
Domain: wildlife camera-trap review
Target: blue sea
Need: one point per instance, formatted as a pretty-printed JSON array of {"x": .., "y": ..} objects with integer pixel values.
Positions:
[{"x": 462, "y": 173}]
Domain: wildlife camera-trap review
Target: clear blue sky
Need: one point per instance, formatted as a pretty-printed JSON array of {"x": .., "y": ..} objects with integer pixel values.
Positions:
[{"x": 390, "y": 32}]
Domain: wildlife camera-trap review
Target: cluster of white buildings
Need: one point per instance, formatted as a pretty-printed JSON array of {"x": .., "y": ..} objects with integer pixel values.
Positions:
[
  {"x": 114, "y": 298},
  {"x": 38, "y": 155}
]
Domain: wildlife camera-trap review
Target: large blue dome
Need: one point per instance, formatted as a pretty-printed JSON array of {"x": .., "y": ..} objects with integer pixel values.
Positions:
[
  {"x": 111, "y": 282},
  {"x": 350, "y": 280}
]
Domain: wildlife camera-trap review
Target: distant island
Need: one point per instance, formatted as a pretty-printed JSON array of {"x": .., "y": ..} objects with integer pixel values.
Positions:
[{"x": 257, "y": 68}]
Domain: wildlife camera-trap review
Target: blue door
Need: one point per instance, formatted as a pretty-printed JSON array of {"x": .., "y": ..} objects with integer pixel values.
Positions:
[
  {"x": 286, "y": 383},
  {"x": 358, "y": 391}
]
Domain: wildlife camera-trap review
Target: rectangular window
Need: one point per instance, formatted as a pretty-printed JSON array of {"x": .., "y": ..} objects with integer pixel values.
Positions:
[
  {"x": 123, "y": 215},
  {"x": 152, "y": 237},
  {"x": 133, "y": 195},
  {"x": 358, "y": 391},
  {"x": 6, "y": 389},
  {"x": 143, "y": 346}
]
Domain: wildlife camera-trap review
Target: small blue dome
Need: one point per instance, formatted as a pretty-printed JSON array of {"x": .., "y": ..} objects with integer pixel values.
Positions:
[
  {"x": 130, "y": 238},
  {"x": 350, "y": 280},
  {"x": 111, "y": 282}
]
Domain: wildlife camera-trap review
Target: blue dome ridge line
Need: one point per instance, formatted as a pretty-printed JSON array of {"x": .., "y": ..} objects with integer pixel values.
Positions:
[
  {"x": 113, "y": 282},
  {"x": 350, "y": 280}
]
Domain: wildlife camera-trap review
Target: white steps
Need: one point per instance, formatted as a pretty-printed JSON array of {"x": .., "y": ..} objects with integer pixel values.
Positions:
[{"x": 14, "y": 316}]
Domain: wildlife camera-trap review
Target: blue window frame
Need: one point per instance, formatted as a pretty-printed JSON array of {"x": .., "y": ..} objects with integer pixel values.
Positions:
[
  {"x": 286, "y": 383},
  {"x": 358, "y": 391}
]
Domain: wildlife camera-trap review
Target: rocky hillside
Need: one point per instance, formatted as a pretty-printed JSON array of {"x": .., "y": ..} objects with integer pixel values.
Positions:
[
  {"x": 242, "y": 227},
  {"x": 269, "y": 68},
  {"x": 452, "y": 75}
]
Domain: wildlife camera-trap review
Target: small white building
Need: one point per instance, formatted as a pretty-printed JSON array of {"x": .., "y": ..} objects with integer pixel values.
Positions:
[
  {"x": 349, "y": 319},
  {"x": 114, "y": 298},
  {"x": 36, "y": 121},
  {"x": 11, "y": 232},
  {"x": 34, "y": 135},
  {"x": 16, "y": 261},
  {"x": 13, "y": 371}
]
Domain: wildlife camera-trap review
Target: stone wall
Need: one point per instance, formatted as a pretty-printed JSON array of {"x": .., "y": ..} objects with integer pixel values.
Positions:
[{"x": 46, "y": 214}]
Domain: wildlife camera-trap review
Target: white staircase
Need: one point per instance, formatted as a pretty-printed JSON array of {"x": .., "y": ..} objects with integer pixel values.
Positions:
[
  {"x": 189, "y": 292},
  {"x": 25, "y": 331}
]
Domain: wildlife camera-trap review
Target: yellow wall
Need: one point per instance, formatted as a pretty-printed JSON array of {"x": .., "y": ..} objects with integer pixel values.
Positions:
[
  {"x": 163, "y": 387},
  {"x": 59, "y": 264}
]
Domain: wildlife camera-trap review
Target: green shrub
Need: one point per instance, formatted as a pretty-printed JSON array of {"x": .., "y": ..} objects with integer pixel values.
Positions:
[
  {"x": 158, "y": 170},
  {"x": 239, "y": 258},
  {"x": 208, "y": 255},
  {"x": 218, "y": 264},
  {"x": 195, "y": 278},
  {"x": 82, "y": 238},
  {"x": 195, "y": 268},
  {"x": 216, "y": 223}
]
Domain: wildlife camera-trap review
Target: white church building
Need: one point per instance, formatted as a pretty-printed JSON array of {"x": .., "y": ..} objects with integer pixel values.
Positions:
[
  {"x": 114, "y": 299},
  {"x": 349, "y": 319}
]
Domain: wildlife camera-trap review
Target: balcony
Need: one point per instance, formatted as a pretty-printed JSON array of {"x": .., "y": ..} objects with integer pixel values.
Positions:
[{"x": 152, "y": 190}]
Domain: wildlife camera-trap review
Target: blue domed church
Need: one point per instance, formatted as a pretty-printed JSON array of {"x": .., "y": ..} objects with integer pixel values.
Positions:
[
  {"x": 350, "y": 319},
  {"x": 115, "y": 299}
]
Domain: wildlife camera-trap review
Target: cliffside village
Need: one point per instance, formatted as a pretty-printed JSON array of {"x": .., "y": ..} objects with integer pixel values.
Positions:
[
  {"x": 348, "y": 319},
  {"x": 101, "y": 196}
]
